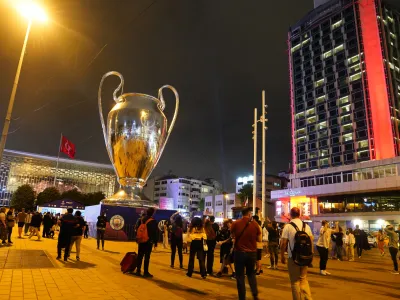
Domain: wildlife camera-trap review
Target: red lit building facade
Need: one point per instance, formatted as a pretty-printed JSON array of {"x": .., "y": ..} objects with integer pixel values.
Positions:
[{"x": 344, "y": 61}]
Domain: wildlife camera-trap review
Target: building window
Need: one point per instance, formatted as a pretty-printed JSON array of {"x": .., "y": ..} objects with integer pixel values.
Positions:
[{"x": 218, "y": 203}]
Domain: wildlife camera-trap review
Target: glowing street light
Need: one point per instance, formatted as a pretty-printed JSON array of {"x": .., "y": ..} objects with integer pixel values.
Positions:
[{"x": 33, "y": 12}]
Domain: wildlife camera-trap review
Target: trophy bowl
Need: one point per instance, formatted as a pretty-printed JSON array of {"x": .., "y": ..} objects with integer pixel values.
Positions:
[{"x": 135, "y": 135}]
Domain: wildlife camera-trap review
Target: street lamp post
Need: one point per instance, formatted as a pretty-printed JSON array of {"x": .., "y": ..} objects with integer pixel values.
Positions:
[{"x": 30, "y": 11}]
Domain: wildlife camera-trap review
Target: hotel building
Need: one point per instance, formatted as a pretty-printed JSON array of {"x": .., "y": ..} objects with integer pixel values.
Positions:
[{"x": 345, "y": 101}]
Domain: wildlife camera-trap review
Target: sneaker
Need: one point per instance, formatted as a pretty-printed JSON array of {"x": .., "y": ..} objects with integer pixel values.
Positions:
[
  {"x": 395, "y": 272},
  {"x": 137, "y": 273},
  {"x": 188, "y": 275},
  {"x": 351, "y": 259},
  {"x": 233, "y": 276},
  {"x": 218, "y": 275},
  {"x": 327, "y": 273},
  {"x": 271, "y": 267},
  {"x": 322, "y": 272},
  {"x": 359, "y": 257},
  {"x": 276, "y": 267},
  {"x": 147, "y": 275},
  {"x": 204, "y": 277},
  {"x": 58, "y": 257},
  {"x": 77, "y": 258}
]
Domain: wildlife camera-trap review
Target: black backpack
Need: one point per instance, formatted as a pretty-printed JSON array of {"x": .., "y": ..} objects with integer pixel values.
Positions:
[{"x": 302, "y": 250}]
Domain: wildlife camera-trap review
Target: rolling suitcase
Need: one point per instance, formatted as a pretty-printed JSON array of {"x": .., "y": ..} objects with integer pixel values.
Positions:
[{"x": 129, "y": 262}]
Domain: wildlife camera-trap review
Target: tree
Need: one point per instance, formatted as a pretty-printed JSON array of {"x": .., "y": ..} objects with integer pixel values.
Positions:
[
  {"x": 202, "y": 205},
  {"x": 93, "y": 198},
  {"x": 246, "y": 193},
  {"x": 48, "y": 195},
  {"x": 74, "y": 195},
  {"x": 23, "y": 197}
]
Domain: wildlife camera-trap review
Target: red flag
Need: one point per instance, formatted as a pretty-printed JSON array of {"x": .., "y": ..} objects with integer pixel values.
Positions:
[{"x": 67, "y": 147}]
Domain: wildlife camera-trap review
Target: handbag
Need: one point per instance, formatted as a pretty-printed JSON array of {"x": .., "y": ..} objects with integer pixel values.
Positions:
[{"x": 205, "y": 246}]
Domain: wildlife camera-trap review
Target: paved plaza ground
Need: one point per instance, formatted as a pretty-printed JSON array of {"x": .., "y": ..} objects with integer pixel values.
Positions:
[{"x": 38, "y": 275}]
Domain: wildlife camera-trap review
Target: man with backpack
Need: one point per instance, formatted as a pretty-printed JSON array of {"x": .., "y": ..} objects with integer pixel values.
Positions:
[
  {"x": 297, "y": 237},
  {"x": 146, "y": 237}
]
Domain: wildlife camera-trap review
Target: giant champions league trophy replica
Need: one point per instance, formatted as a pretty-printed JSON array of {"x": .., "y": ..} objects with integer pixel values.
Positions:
[{"x": 135, "y": 135}]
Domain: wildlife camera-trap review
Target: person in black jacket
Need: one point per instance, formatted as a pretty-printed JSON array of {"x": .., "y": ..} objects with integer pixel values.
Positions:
[
  {"x": 68, "y": 223},
  {"x": 47, "y": 224},
  {"x": 35, "y": 225},
  {"x": 101, "y": 229},
  {"x": 146, "y": 247}
]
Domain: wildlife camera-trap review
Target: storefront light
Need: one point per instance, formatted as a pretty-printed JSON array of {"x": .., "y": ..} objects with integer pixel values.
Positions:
[{"x": 380, "y": 222}]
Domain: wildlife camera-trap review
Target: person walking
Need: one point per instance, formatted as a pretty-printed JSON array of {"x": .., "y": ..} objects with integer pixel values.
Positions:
[
  {"x": 36, "y": 221},
  {"x": 28, "y": 220},
  {"x": 86, "y": 232},
  {"x": 176, "y": 238},
  {"x": 68, "y": 223},
  {"x": 47, "y": 224},
  {"x": 339, "y": 244},
  {"x": 246, "y": 233},
  {"x": 325, "y": 234},
  {"x": 273, "y": 244},
  {"x": 393, "y": 247},
  {"x": 359, "y": 236},
  {"x": 297, "y": 274},
  {"x": 224, "y": 239},
  {"x": 21, "y": 222},
  {"x": 146, "y": 238},
  {"x": 260, "y": 247},
  {"x": 350, "y": 242},
  {"x": 381, "y": 241},
  {"x": 10, "y": 224},
  {"x": 198, "y": 238},
  {"x": 3, "y": 225},
  {"x": 211, "y": 243},
  {"x": 101, "y": 229},
  {"x": 77, "y": 233}
]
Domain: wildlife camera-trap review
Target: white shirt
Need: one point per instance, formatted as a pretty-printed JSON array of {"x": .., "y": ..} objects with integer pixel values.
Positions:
[
  {"x": 350, "y": 239},
  {"x": 265, "y": 235},
  {"x": 289, "y": 232},
  {"x": 324, "y": 237}
]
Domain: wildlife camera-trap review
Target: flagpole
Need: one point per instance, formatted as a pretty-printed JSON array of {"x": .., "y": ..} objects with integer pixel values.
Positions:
[{"x": 58, "y": 159}]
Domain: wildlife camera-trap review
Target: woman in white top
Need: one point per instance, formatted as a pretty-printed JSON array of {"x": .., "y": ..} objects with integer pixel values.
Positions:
[
  {"x": 323, "y": 245},
  {"x": 350, "y": 241},
  {"x": 197, "y": 236}
]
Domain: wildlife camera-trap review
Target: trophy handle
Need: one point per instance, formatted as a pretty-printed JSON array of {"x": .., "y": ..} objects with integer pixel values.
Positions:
[
  {"x": 120, "y": 87},
  {"x": 162, "y": 106}
]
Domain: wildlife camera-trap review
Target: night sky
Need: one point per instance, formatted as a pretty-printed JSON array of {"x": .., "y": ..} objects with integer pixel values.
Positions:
[{"x": 219, "y": 55}]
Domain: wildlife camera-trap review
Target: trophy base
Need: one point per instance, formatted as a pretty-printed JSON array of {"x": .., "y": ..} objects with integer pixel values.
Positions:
[{"x": 127, "y": 197}]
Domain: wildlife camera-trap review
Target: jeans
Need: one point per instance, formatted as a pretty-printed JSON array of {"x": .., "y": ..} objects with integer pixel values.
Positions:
[
  {"x": 196, "y": 247},
  {"x": 350, "y": 251},
  {"x": 27, "y": 225},
  {"x": 323, "y": 257},
  {"x": 175, "y": 243},
  {"x": 100, "y": 236},
  {"x": 393, "y": 253},
  {"x": 77, "y": 240},
  {"x": 339, "y": 251},
  {"x": 9, "y": 233},
  {"x": 46, "y": 231},
  {"x": 298, "y": 281},
  {"x": 273, "y": 253},
  {"x": 359, "y": 247},
  {"x": 144, "y": 251},
  {"x": 210, "y": 255},
  {"x": 245, "y": 260},
  {"x": 67, "y": 248}
]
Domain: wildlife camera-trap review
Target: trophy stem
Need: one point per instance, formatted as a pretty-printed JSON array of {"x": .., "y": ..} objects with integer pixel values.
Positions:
[{"x": 127, "y": 196}]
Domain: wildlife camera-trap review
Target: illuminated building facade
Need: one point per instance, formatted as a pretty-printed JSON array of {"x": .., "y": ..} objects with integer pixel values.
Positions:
[
  {"x": 345, "y": 98},
  {"x": 18, "y": 168}
]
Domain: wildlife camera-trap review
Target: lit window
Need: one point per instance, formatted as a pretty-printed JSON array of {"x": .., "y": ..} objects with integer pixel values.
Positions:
[
  {"x": 355, "y": 68},
  {"x": 355, "y": 77},
  {"x": 323, "y": 162},
  {"x": 343, "y": 100},
  {"x": 322, "y": 99},
  {"x": 322, "y": 125},
  {"x": 338, "y": 49},
  {"x": 295, "y": 48},
  {"x": 311, "y": 111},
  {"x": 300, "y": 115},
  {"x": 319, "y": 82},
  {"x": 347, "y": 127},
  {"x": 391, "y": 65},
  {"x": 348, "y": 137},
  {"x": 305, "y": 41},
  {"x": 311, "y": 120},
  {"x": 353, "y": 59},
  {"x": 324, "y": 153},
  {"x": 346, "y": 108},
  {"x": 337, "y": 24},
  {"x": 327, "y": 54}
]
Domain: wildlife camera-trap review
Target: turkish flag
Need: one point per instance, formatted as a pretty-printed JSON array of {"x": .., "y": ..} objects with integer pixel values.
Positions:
[{"x": 67, "y": 147}]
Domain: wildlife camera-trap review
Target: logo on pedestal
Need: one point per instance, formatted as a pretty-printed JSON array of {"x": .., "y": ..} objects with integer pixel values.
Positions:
[{"x": 117, "y": 222}]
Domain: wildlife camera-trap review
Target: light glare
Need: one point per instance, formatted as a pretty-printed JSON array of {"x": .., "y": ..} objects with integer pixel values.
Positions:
[{"x": 31, "y": 11}]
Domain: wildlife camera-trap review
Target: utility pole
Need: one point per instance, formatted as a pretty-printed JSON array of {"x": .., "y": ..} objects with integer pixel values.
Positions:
[
  {"x": 255, "y": 161},
  {"x": 264, "y": 128}
]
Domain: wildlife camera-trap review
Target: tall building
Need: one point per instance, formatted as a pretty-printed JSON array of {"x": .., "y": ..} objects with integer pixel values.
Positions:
[
  {"x": 180, "y": 193},
  {"x": 345, "y": 99},
  {"x": 220, "y": 206},
  {"x": 18, "y": 168}
]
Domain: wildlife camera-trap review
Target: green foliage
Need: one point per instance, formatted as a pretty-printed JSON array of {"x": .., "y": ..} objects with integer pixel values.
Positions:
[
  {"x": 246, "y": 192},
  {"x": 23, "y": 197},
  {"x": 202, "y": 205},
  {"x": 74, "y": 195},
  {"x": 93, "y": 198},
  {"x": 48, "y": 195}
]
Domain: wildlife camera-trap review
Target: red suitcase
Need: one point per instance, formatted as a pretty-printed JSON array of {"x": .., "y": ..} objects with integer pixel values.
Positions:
[{"x": 129, "y": 262}]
